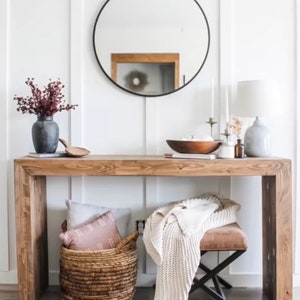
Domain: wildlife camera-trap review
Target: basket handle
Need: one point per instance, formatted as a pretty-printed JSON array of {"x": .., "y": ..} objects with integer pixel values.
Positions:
[{"x": 129, "y": 240}]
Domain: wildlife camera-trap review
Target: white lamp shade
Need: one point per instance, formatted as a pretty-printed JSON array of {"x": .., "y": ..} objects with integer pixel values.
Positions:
[{"x": 256, "y": 98}]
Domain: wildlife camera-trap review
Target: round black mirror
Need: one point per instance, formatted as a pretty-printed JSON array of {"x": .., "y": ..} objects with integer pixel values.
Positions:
[{"x": 151, "y": 48}]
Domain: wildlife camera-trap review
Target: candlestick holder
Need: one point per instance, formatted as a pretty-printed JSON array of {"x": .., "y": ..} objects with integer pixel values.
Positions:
[
  {"x": 227, "y": 134},
  {"x": 227, "y": 148},
  {"x": 211, "y": 122}
]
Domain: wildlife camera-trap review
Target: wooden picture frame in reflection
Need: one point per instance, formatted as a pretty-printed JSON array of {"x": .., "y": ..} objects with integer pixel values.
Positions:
[{"x": 136, "y": 71}]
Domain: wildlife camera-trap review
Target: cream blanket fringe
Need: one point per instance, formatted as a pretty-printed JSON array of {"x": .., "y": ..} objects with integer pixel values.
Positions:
[{"x": 172, "y": 237}]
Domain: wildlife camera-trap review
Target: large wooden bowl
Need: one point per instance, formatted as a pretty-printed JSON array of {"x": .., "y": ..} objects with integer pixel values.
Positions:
[{"x": 194, "y": 147}]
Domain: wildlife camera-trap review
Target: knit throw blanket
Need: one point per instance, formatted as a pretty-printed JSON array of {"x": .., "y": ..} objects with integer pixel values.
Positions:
[{"x": 172, "y": 238}]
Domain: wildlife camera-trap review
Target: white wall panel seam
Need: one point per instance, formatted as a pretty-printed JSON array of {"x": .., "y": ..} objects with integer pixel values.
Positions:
[{"x": 76, "y": 86}]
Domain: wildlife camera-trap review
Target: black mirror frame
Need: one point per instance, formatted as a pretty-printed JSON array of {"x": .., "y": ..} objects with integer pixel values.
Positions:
[{"x": 145, "y": 95}]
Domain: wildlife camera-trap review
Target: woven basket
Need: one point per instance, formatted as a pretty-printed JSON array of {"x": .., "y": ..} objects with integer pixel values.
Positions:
[{"x": 103, "y": 275}]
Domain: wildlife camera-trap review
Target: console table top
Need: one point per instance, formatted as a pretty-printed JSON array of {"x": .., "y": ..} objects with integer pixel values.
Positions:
[{"x": 150, "y": 165}]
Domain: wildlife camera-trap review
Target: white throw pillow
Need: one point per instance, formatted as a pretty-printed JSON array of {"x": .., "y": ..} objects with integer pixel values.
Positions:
[{"x": 82, "y": 213}]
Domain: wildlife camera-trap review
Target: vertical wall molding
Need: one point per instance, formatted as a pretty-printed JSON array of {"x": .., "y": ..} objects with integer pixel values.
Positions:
[
  {"x": 151, "y": 196},
  {"x": 76, "y": 85},
  {"x": 76, "y": 72},
  {"x": 225, "y": 54},
  {"x": 4, "y": 250},
  {"x": 225, "y": 29},
  {"x": 225, "y": 79},
  {"x": 297, "y": 167},
  {"x": 151, "y": 126}
]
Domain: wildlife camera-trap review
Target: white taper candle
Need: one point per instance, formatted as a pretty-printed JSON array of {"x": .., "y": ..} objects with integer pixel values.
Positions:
[
  {"x": 212, "y": 109},
  {"x": 226, "y": 105}
]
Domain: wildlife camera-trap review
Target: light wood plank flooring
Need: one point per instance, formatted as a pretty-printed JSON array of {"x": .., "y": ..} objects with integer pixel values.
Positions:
[{"x": 53, "y": 293}]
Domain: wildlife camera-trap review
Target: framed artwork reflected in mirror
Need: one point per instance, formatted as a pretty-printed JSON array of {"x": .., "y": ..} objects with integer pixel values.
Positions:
[{"x": 147, "y": 73}]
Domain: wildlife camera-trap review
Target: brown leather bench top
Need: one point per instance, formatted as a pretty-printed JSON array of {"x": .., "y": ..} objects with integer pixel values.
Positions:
[{"x": 226, "y": 238}]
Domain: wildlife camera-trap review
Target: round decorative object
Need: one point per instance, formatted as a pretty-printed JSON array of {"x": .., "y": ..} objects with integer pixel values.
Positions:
[
  {"x": 136, "y": 81},
  {"x": 257, "y": 140},
  {"x": 194, "y": 147},
  {"x": 45, "y": 134}
]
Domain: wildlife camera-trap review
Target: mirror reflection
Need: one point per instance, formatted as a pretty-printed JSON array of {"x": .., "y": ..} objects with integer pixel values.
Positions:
[{"x": 151, "y": 48}]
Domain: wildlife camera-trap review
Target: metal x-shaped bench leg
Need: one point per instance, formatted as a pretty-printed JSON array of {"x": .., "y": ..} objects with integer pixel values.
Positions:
[{"x": 213, "y": 275}]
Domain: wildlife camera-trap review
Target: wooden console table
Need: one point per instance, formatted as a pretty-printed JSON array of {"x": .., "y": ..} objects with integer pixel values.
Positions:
[{"x": 31, "y": 208}]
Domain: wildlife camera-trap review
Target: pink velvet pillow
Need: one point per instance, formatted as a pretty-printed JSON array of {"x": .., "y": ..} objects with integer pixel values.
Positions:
[{"x": 101, "y": 233}]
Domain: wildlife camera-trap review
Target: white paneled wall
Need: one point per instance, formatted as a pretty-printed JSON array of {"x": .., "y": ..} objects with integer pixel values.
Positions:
[
  {"x": 257, "y": 53},
  {"x": 297, "y": 162},
  {"x": 4, "y": 263},
  {"x": 53, "y": 38}
]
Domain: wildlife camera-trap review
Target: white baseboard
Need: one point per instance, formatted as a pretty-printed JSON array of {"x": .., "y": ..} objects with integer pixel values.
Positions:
[
  {"x": 296, "y": 281},
  {"x": 10, "y": 277}
]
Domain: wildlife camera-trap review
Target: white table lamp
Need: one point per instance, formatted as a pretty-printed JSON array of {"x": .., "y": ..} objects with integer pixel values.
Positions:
[{"x": 257, "y": 98}]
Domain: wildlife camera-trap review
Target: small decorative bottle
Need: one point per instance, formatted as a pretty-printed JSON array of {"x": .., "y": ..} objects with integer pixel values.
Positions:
[{"x": 239, "y": 149}]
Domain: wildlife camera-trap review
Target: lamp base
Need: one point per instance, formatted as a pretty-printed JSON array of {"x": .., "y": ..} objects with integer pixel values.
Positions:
[{"x": 257, "y": 140}]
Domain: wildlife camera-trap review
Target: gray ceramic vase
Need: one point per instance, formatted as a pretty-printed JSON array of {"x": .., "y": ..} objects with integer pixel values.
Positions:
[
  {"x": 45, "y": 134},
  {"x": 257, "y": 140}
]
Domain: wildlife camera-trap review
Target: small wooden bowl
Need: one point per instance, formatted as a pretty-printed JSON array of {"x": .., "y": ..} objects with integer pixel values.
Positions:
[{"x": 194, "y": 147}]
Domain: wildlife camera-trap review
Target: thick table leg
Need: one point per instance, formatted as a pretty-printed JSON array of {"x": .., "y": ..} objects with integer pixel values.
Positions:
[
  {"x": 31, "y": 229},
  {"x": 277, "y": 236}
]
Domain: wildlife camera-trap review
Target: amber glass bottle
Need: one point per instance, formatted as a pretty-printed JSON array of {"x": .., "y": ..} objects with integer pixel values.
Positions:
[{"x": 239, "y": 149}]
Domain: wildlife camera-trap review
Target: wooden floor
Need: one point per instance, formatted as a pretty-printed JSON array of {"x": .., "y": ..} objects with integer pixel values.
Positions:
[{"x": 53, "y": 293}]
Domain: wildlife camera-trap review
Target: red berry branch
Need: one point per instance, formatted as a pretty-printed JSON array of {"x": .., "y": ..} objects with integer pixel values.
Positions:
[{"x": 43, "y": 103}]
